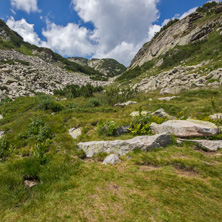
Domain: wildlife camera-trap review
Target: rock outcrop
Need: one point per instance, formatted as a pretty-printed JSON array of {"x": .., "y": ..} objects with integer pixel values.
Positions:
[
  {"x": 122, "y": 147},
  {"x": 186, "y": 128},
  {"x": 181, "y": 33}
]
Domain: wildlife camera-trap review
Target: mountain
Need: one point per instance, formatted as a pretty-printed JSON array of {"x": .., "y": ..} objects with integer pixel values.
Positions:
[
  {"x": 110, "y": 67},
  {"x": 185, "y": 54},
  {"x": 26, "y": 69}
]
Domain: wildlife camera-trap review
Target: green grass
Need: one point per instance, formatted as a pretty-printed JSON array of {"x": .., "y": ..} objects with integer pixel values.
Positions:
[{"x": 176, "y": 183}]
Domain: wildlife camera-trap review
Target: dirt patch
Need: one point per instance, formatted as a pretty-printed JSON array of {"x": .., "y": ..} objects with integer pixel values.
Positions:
[{"x": 149, "y": 168}]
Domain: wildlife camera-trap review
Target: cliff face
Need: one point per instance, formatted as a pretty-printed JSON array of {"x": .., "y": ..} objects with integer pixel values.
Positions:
[{"x": 192, "y": 28}]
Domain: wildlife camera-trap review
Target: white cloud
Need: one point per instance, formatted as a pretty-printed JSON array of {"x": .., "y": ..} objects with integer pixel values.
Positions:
[
  {"x": 188, "y": 12},
  {"x": 25, "y": 5},
  {"x": 120, "y": 26},
  {"x": 25, "y": 29},
  {"x": 70, "y": 40}
]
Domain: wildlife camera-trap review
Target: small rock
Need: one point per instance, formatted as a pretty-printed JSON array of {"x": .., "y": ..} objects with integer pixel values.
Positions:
[
  {"x": 161, "y": 113},
  {"x": 30, "y": 183},
  {"x": 122, "y": 130},
  {"x": 75, "y": 133},
  {"x": 1, "y": 117},
  {"x": 167, "y": 98},
  {"x": 137, "y": 113},
  {"x": 111, "y": 159},
  {"x": 216, "y": 116},
  {"x": 125, "y": 104},
  {"x": 1, "y": 134}
]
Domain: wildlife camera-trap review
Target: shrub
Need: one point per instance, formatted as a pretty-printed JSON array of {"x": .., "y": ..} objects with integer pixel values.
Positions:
[
  {"x": 107, "y": 128},
  {"x": 141, "y": 124},
  {"x": 4, "y": 147},
  {"x": 38, "y": 130},
  {"x": 49, "y": 104},
  {"x": 93, "y": 103}
]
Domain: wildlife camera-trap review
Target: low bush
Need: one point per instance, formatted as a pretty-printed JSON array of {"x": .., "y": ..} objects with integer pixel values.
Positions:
[
  {"x": 38, "y": 130},
  {"x": 93, "y": 103},
  {"x": 47, "y": 103},
  {"x": 107, "y": 128},
  {"x": 4, "y": 147}
]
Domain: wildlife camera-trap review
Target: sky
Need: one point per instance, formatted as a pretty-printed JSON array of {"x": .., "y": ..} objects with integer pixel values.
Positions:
[{"x": 93, "y": 28}]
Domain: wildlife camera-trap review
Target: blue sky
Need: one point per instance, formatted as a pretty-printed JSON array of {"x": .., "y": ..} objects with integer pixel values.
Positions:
[{"x": 92, "y": 28}]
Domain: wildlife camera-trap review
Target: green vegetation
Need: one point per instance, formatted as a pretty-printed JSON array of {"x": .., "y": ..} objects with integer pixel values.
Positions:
[
  {"x": 170, "y": 23},
  {"x": 208, "y": 7},
  {"x": 38, "y": 148}
]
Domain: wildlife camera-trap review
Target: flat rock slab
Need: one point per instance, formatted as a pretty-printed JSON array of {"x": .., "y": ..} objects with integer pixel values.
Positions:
[
  {"x": 111, "y": 159},
  {"x": 186, "y": 128},
  {"x": 122, "y": 147},
  {"x": 210, "y": 145}
]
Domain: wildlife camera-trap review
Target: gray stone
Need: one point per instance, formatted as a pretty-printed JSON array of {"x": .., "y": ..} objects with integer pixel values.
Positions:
[
  {"x": 216, "y": 116},
  {"x": 126, "y": 103},
  {"x": 210, "y": 145},
  {"x": 75, "y": 133},
  {"x": 186, "y": 128},
  {"x": 1, "y": 134},
  {"x": 122, "y": 147},
  {"x": 30, "y": 183},
  {"x": 167, "y": 98},
  {"x": 137, "y": 113},
  {"x": 1, "y": 117},
  {"x": 161, "y": 113},
  {"x": 111, "y": 159},
  {"x": 122, "y": 130}
]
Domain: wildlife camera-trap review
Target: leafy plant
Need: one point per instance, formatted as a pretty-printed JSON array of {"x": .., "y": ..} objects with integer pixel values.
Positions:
[
  {"x": 4, "y": 147},
  {"x": 107, "y": 128}
]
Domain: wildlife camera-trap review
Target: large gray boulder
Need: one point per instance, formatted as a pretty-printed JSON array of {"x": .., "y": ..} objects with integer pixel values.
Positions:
[
  {"x": 186, "y": 128},
  {"x": 122, "y": 147},
  {"x": 210, "y": 145},
  {"x": 111, "y": 159}
]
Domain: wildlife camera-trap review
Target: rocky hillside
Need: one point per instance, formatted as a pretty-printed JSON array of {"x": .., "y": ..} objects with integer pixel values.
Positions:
[
  {"x": 196, "y": 26},
  {"x": 184, "y": 55},
  {"x": 110, "y": 67},
  {"x": 26, "y": 69}
]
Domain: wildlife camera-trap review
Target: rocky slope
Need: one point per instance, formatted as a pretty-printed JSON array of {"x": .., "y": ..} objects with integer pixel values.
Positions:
[
  {"x": 110, "y": 67},
  {"x": 192, "y": 28}
]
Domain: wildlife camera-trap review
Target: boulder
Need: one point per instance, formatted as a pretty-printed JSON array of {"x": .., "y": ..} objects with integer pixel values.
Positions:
[
  {"x": 186, "y": 128},
  {"x": 126, "y": 103},
  {"x": 216, "y": 116},
  {"x": 75, "y": 132},
  {"x": 122, "y": 147},
  {"x": 111, "y": 159},
  {"x": 210, "y": 145}
]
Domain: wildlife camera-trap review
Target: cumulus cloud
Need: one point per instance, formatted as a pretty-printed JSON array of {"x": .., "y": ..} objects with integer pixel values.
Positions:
[
  {"x": 70, "y": 40},
  {"x": 25, "y": 29},
  {"x": 120, "y": 26},
  {"x": 25, "y": 5}
]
